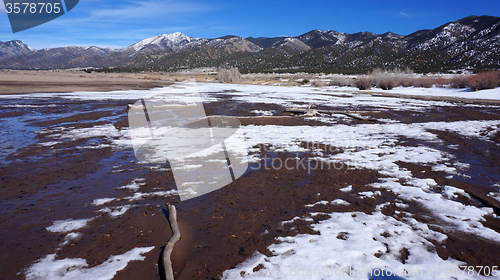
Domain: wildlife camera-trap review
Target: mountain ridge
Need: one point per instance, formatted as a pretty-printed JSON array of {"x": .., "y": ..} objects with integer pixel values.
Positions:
[{"x": 469, "y": 43}]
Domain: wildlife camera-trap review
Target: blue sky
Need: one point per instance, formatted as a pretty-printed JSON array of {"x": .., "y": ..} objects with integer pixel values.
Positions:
[{"x": 115, "y": 23}]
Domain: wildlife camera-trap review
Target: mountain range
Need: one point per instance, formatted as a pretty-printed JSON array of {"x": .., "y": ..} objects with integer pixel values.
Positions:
[{"x": 470, "y": 43}]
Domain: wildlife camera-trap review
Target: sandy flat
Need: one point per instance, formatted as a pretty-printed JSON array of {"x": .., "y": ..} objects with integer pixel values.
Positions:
[
  {"x": 76, "y": 164},
  {"x": 54, "y": 81},
  {"x": 15, "y": 82}
]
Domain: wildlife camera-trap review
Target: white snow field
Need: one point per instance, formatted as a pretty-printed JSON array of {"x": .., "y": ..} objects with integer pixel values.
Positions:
[
  {"x": 348, "y": 243},
  {"x": 491, "y": 94}
]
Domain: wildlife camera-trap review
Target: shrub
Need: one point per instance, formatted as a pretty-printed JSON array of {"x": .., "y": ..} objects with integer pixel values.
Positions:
[
  {"x": 228, "y": 75},
  {"x": 459, "y": 82},
  {"x": 388, "y": 79},
  {"x": 377, "y": 71},
  {"x": 363, "y": 84},
  {"x": 407, "y": 82},
  {"x": 341, "y": 81},
  {"x": 423, "y": 82},
  {"x": 441, "y": 82},
  {"x": 386, "y": 84},
  {"x": 317, "y": 83},
  {"x": 485, "y": 80}
]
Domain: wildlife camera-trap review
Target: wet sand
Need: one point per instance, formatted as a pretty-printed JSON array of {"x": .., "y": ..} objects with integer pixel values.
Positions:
[{"x": 41, "y": 184}]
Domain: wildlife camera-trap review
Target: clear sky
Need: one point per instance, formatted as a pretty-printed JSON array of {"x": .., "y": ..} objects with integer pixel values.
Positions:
[{"x": 120, "y": 23}]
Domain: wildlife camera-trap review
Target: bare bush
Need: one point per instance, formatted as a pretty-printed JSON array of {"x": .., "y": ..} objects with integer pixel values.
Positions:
[
  {"x": 377, "y": 71},
  {"x": 386, "y": 84},
  {"x": 441, "y": 82},
  {"x": 228, "y": 75},
  {"x": 459, "y": 82},
  {"x": 363, "y": 84},
  {"x": 408, "y": 82},
  {"x": 423, "y": 82},
  {"x": 485, "y": 80},
  {"x": 387, "y": 80},
  {"x": 317, "y": 83},
  {"x": 341, "y": 81}
]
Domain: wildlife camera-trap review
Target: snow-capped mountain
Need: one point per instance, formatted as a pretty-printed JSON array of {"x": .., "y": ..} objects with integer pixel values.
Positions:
[
  {"x": 13, "y": 48},
  {"x": 232, "y": 44},
  {"x": 471, "y": 43},
  {"x": 290, "y": 46},
  {"x": 197, "y": 53},
  {"x": 160, "y": 42},
  {"x": 317, "y": 38}
]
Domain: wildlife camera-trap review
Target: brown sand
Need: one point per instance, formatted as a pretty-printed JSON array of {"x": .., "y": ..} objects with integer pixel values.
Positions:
[
  {"x": 19, "y": 81},
  {"x": 15, "y": 82},
  {"x": 220, "y": 230}
]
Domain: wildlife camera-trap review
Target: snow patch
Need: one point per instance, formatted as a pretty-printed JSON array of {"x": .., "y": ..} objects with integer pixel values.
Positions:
[
  {"x": 116, "y": 211},
  {"x": 76, "y": 269},
  {"x": 139, "y": 196},
  {"x": 340, "y": 202},
  {"x": 134, "y": 185},
  {"x": 63, "y": 226},
  {"x": 346, "y": 189},
  {"x": 323, "y": 202},
  {"x": 355, "y": 241},
  {"x": 102, "y": 201}
]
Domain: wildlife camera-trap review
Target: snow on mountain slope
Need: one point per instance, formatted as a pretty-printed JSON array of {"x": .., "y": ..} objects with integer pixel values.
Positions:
[
  {"x": 164, "y": 41},
  {"x": 292, "y": 45},
  {"x": 14, "y": 47},
  {"x": 233, "y": 44},
  {"x": 450, "y": 34}
]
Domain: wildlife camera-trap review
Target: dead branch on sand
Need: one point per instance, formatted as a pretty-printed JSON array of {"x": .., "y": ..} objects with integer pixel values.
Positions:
[
  {"x": 310, "y": 112},
  {"x": 167, "y": 263}
]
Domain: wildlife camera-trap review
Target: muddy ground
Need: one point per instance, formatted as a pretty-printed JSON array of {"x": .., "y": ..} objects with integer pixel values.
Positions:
[{"x": 41, "y": 184}]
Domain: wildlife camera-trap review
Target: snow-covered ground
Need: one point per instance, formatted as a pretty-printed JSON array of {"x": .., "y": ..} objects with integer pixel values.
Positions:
[
  {"x": 374, "y": 147},
  {"x": 258, "y": 92},
  {"x": 491, "y": 94},
  {"x": 348, "y": 243}
]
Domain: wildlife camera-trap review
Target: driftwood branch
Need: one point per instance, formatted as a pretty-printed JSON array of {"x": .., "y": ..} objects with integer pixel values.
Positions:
[
  {"x": 167, "y": 263},
  {"x": 331, "y": 112}
]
